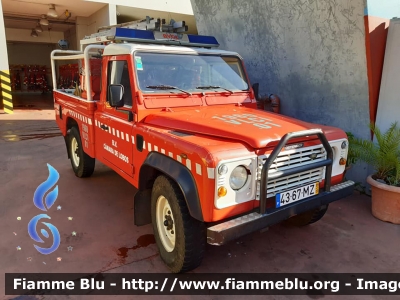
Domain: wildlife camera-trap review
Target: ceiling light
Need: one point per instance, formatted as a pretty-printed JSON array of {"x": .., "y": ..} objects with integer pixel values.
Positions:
[
  {"x": 44, "y": 21},
  {"x": 38, "y": 28},
  {"x": 52, "y": 11},
  {"x": 34, "y": 33}
]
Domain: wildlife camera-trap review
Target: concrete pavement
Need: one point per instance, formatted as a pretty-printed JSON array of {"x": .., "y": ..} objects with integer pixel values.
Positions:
[{"x": 347, "y": 239}]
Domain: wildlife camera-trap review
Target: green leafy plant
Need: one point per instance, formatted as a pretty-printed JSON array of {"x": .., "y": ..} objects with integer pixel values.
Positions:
[
  {"x": 351, "y": 156},
  {"x": 383, "y": 156}
]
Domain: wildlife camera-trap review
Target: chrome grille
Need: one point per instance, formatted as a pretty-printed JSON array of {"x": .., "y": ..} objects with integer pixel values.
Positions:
[{"x": 291, "y": 159}]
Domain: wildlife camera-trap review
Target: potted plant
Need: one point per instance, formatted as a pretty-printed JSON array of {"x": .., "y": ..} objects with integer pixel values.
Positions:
[
  {"x": 384, "y": 156},
  {"x": 351, "y": 156}
]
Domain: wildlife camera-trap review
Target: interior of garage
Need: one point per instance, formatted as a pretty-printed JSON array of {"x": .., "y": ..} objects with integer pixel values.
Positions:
[
  {"x": 30, "y": 74},
  {"x": 35, "y": 28},
  {"x": 31, "y": 34}
]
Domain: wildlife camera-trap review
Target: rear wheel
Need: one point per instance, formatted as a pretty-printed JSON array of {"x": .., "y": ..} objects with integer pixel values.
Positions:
[
  {"x": 308, "y": 217},
  {"x": 180, "y": 238},
  {"x": 82, "y": 164}
]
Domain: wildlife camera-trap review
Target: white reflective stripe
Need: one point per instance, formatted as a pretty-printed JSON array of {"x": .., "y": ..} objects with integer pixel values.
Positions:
[
  {"x": 189, "y": 164},
  {"x": 122, "y": 135},
  {"x": 171, "y": 154},
  {"x": 113, "y": 131},
  {"x": 109, "y": 129},
  {"x": 149, "y": 146},
  {"x": 210, "y": 173},
  {"x": 127, "y": 137},
  {"x": 179, "y": 158},
  {"x": 163, "y": 151},
  {"x": 117, "y": 133},
  {"x": 90, "y": 121},
  {"x": 155, "y": 148},
  {"x": 95, "y": 122},
  {"x": 198, "y": 168},
  {"x": 144, "y": 145},
  {"x": 133, "y": 139}
]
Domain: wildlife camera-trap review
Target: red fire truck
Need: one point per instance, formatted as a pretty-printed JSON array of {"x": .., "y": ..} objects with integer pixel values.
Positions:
[{"x": 178, "y": 119}]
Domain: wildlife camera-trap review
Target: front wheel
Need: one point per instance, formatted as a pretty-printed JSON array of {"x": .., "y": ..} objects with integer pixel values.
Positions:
[
  {"x": 179, "y": 237},
  {"x": 82, "y": 164}
]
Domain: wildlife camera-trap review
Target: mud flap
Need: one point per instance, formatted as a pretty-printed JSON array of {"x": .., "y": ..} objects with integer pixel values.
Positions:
[
  {"x": 142, "y": 207},
  {"x": 66, "y": 145}
]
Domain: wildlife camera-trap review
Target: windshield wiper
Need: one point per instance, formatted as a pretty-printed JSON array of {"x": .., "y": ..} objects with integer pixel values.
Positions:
[
  {"x": 210, "y": 87},
  {"x": 167, "y": 87}
]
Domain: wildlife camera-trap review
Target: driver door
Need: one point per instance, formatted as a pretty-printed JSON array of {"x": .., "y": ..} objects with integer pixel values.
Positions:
[{"x": 118, "y": 143}]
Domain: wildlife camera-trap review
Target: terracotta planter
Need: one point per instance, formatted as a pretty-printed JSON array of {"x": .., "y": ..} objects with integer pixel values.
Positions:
[{"x": 385, "y": 201}]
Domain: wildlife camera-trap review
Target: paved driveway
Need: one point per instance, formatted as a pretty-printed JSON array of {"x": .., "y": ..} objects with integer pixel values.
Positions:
[{"x": 347, "y": 239}]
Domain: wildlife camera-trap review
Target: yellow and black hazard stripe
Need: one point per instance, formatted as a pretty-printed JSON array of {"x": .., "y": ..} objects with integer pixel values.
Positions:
[{"x": 6, "y": 91}]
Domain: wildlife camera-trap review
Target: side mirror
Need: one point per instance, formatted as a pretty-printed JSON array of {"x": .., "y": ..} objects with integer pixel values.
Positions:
[{"x": 115, "y": 93}]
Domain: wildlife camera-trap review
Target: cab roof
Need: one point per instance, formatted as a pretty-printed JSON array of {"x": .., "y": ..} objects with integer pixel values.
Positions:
[{"x": 130, "y": 48}]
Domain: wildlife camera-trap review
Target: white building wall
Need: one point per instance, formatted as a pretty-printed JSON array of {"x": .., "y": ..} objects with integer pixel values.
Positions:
[
  {"x": 3, "y": 45},
  {"x": 173, "y": 6},
  {"x": 103, "y": 17},
  {"x": 389, "y": 98}
]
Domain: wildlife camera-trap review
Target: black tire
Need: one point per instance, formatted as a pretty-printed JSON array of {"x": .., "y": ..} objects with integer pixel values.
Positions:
[
  {"x": 308, "y": 217},
  {"x": 85, "y": 167},
  {"x": 190, "y": 236}
]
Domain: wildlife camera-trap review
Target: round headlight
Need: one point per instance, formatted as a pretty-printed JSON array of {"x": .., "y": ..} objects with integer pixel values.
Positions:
[
  {"x": 344, "y": 145},
  {"x": 223, "y": 169},
  {"x": 238, "y": 178}
]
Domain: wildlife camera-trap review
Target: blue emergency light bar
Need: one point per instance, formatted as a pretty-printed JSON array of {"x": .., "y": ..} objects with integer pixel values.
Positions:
[{"x": 166, "y": 38}]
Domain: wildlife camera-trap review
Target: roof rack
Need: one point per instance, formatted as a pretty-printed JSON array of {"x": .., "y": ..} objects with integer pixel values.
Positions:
[{"x": 150, "y": 31}]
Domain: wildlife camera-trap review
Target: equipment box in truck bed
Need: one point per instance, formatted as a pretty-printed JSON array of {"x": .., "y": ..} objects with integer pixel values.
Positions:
[{"x": 178, "y": 119}]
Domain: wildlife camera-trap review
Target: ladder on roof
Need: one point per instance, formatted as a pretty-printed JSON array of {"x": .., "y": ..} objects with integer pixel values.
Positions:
[{"x": 150, "y": 31}]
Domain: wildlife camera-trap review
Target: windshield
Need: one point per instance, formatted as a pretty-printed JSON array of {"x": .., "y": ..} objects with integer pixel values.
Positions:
[{"x": 192, "y": 73}]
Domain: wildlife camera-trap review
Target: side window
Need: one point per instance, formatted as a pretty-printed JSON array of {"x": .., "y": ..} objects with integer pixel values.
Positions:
[{"x": 118, "y": 73}]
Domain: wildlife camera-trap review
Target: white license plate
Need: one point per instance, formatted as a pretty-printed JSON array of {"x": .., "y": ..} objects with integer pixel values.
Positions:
[{"x": 297, "y": 194}]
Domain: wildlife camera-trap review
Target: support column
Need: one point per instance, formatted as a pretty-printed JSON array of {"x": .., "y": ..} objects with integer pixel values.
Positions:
[
  {"x": 112, "y": 14},
  {"x": 6, "y": 91},
  {"x": 5, "y": 82}
]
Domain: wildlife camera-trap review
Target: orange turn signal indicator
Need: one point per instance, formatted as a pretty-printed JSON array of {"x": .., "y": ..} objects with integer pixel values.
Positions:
[{"x": 222, "y": 191}]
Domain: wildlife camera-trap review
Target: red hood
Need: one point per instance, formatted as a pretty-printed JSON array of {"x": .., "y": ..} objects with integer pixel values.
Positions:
[{"x": 257, "y": 128}]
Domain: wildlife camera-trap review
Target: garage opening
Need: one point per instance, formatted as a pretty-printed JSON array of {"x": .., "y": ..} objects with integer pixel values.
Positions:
[{"x": 30, "y": 74}]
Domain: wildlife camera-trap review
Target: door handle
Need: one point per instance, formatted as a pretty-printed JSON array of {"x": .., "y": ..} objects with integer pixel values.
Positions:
[{"x": 105, "y": 127}]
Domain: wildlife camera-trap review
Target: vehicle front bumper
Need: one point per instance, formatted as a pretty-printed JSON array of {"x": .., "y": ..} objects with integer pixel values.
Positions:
[{"x": 224, "y": 232}]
